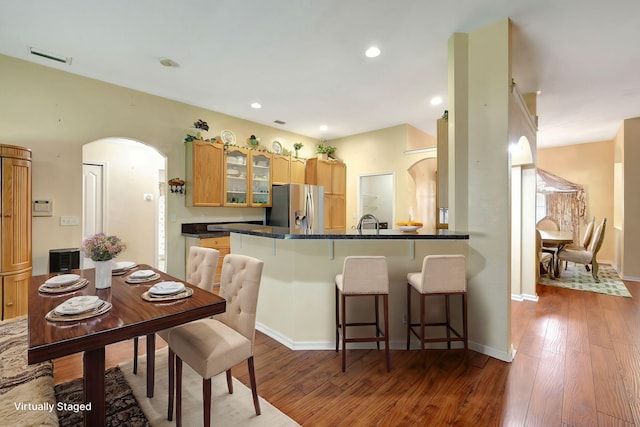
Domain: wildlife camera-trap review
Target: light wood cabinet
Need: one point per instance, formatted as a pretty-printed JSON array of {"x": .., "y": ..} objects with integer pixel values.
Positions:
[
  {"x": 297, "y": 171},
  {"x": 204, "y": 173},
  {"x": 332, "y": 176},
  {"x": 281, "y": 170},
  {"x": 223, "y": 245},
  {"x": 247, "y": 178},
  {"x": 15, "y": 230}
]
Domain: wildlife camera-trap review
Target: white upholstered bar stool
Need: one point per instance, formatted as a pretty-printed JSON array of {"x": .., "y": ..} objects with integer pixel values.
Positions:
[
  {"x": 363, "y": 276},
  {"x": 441, "y": 275}
]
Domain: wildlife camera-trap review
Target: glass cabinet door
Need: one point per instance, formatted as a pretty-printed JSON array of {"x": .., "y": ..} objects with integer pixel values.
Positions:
[
  {"x": 261, "y": 179},
  {"x": 236, "y": 171}
]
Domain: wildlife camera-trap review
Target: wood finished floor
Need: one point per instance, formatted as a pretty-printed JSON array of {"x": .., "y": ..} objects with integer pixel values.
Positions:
[{"x": 577, "y": 364}]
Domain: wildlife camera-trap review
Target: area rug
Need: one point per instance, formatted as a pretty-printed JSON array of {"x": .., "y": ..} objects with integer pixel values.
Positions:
[
  {"x": 122, "y": 408},
  {"x": 227, "y": 409},
  {"x": 578, "y": 278},
  {"x": 26, "y": 391}
]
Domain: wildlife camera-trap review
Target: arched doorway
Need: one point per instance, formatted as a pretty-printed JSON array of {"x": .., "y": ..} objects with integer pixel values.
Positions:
[{"x": 124, "y": 194}]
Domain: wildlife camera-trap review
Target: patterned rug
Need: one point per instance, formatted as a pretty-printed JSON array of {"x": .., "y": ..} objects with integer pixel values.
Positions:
[
  {"x": 578, "y": 278},
  {"x": 122, "y": 408},
  {"x": 26, "y": 391}
]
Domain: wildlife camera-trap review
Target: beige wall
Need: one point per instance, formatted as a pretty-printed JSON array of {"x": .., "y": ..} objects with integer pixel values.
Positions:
[
  {"x": 630, "y": 242},
  {"x": 590, "y": 165},
  {"x": 55, "y": 113},
  {"x": 381, "y": 151}
]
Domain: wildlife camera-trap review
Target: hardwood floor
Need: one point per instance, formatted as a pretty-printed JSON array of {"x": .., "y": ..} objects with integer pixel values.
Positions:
[{"x": 577, "y": 364}]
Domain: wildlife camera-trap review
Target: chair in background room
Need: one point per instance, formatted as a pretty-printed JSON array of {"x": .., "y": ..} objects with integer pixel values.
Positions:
[
  {"x": 441, "y": 275},
  {"x": 586, "y": 239},
  {"x": 200, "y": 271},
  {"x": 586, "y": 256},
  {"x": 215, "y": 345},
  {"x": 548, "y": 224},
  {"x": 363, "y": 276},
  {"x": 546, "y": 261}
]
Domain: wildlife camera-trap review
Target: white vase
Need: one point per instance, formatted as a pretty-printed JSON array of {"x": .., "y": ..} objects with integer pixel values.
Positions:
[{"x": 103, "y": 274}]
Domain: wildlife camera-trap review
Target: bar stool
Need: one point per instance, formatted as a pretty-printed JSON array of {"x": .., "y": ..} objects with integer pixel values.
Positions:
[
  {"x": 363, "y": 276},
  {"x": 440, "y": 275}
]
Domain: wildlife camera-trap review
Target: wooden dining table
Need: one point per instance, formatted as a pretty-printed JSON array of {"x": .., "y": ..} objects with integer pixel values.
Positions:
[
  {"x": 130, "y": 316},
  {"x": 557, "y": 239}
]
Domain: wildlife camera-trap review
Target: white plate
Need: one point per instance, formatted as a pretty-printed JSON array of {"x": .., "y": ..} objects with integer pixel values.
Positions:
[
  {"x": 227, "y": 137},
  {"x": 409, "y": 228},
  {"x": 124, "y": 265},
  {"x": 141, "y": 274},
  {"x": 166, "y": 288},
  {"x": 276, "y": 147},
  {"x": 63, "y": 279},
  {"x": 77, "y": 305}
]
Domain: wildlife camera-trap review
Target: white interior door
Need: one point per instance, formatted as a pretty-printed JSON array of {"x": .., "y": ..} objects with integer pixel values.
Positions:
[{"x": 93, "y": 218}]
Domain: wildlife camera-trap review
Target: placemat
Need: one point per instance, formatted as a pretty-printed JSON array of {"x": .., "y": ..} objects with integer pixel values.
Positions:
[
  {"x": 186, "y": 293},
  {"x": 78, "y": 284},
  {"x": 52, "y": 316}
]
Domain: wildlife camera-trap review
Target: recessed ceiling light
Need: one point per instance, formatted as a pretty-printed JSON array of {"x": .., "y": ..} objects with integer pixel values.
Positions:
[
  {"x": 372, "y": 52},
  {"x": 256, "y": 105},
  {"x": 436, "y": 100},
  {"x": 324, "y": 127},
  {"x": 538, "y": 92},
  {"x": 169, "y": 62}
]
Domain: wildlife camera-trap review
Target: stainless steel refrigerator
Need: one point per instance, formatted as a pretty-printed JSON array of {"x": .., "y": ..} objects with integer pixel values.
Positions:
[{"x": 299, "y": 207}]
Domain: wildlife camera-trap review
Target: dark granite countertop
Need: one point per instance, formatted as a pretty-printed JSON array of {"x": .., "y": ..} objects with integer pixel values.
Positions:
[{"x": 286, "y": 233}]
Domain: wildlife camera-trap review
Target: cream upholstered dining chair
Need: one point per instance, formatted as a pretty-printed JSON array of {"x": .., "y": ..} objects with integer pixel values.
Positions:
[
  {"x": 200, "y": 271},
  {"x": 586, "y": 239},
  {"x": 586, "y": 256},
  {"x": 212, "y": 346},
  {"x": 548, "y": 224},
  {"x": 441, "y": 275},
  {"x": 363, "y": 276},
  {"x": 546, "y": 260}
]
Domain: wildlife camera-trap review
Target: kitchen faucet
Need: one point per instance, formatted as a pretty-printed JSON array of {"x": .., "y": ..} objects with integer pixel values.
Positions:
[{"x": 371, "y": 217}]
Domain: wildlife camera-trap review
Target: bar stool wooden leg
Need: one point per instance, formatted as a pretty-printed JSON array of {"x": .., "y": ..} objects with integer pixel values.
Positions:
[
  {"x": 376, "y": 304},
  {"x": 344, "y": 333},
  {"x": 448, "y": 320},
  {"x": 422, "y": 320},
  {"x": 408, "y": 316},
  {"x": 337, "y": 319},
  {"x": 385, "y": 300}
]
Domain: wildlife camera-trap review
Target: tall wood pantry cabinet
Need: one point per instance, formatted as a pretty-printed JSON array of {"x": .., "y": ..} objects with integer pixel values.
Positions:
[
  {"x": 15, "y": 229},
  {"x": 332, "y": 176}
]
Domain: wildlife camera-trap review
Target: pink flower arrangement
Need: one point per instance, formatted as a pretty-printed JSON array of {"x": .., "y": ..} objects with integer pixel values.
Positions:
[{"x": 101, "y": 247}]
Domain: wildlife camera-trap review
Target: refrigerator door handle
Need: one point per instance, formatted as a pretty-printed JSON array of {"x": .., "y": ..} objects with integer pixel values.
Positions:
[{"x": 309, "y": 208}]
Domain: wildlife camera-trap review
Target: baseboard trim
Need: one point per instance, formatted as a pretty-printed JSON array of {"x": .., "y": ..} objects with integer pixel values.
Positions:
[{"x": 524, "y": 297}]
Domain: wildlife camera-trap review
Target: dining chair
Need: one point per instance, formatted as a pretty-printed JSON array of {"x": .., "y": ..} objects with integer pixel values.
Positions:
[
  {"x": 587, "y": 256},
  {"x": 200, "y": 271},
  {"x": 212, "y": 346},
  {"x": 363, "y": 276},
  {"x": 586, "y": 239},
  {"x": 546, "y": 260},
  {"x": 441, "y": 275},
  {"x": 548, "y": 224}
]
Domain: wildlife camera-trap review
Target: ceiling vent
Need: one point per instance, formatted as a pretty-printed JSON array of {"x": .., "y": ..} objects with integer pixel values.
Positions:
[
  {"x": 49, "y": 55},
  {"x": 280, "y": 122}
]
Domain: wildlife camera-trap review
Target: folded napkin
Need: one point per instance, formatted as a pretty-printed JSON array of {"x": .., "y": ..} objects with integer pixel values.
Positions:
[
  {"x": 166, "y": 288},
  {"x": 61, "y": 280},
  {"x": 80, "y": 304},
  {"x": 141, "y": 274},
  {"x": 124, "y": 265}
]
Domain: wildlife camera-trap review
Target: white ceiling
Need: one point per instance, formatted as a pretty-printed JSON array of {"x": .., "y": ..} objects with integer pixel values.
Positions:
[{"x": 303, "y": 60}]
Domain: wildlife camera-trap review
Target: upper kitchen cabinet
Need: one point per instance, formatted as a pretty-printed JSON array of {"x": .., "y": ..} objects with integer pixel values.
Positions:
[
  {"x": 297, "y": 171},
  {"x": 204, "y": 173},
  {"x": 247, "y": 178},
  {"x": 281, "y": 169},
  {"x": 333, "y": 177},
  {"x": 15, "y": 230}
]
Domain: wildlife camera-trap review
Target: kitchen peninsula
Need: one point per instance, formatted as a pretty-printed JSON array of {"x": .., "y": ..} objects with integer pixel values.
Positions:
[{"x": 296, "y": 303}]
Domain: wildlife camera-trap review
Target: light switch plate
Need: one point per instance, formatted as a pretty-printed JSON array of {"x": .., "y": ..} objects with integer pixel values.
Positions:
[{"x": 69, "y": 220}]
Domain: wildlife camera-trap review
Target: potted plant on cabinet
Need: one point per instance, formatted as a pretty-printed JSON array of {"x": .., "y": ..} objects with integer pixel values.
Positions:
[
  {"x": 325, "y": 150},
  {"x": 297, "y": 146}
]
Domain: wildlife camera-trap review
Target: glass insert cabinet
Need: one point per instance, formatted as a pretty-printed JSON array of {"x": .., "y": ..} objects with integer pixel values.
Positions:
[{"x": 247, "y": 179}]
